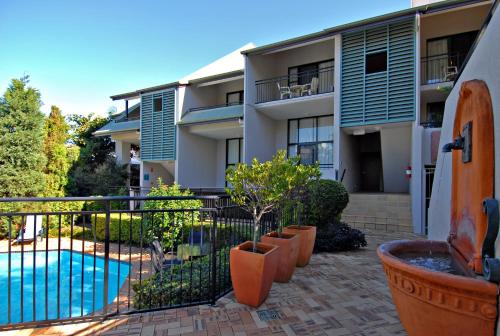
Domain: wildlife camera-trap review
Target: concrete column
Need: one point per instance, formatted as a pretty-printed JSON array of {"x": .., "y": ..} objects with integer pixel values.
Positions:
[
  {"x": 336, "y": 105},
  {"x": 122, "y": 151},
  {"x": 416, "y": 188}
]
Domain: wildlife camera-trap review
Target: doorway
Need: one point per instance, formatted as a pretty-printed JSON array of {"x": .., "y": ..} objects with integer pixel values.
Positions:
[{"x": 370, "y": 161}]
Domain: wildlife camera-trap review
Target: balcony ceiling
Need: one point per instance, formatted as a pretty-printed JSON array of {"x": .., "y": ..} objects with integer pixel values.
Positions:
[
  {"x": 300, "y": 107},
  {"x": 218, "y": 130}
]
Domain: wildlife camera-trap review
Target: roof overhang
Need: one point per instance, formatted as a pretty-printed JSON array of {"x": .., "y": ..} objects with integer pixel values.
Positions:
[
  {"x": 362, "y": 24},
  {"x": 219, "y": 78},
  {"x": 137, "y": 94}
]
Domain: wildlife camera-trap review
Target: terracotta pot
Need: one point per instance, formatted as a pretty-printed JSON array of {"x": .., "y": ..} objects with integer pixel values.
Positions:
[
  {"x": 307, "y": 237},
  {"x": 432, "y": 303},
  {"x": 252, "y": 273},
  {"x": 288, "y": 253}
]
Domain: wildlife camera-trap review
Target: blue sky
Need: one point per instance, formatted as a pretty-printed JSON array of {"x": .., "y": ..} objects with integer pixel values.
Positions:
[{"x": 78, "y": 53}]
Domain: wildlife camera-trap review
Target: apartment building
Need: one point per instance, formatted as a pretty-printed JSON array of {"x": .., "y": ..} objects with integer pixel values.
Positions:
[{"x": 364, "y": 99}]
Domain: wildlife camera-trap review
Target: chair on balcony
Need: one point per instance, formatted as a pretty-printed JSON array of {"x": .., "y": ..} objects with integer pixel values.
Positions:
[
  {"x": 451, "y": 73},
  {"x": 311, "y": 88},
  {"x": 284, "y": 91}
]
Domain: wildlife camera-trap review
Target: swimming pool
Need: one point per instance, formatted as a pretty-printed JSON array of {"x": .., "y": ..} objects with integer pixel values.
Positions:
[{"x": 45, "y": 290}]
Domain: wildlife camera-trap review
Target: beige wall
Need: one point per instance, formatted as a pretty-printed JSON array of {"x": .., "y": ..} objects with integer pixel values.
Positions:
[
  {"x": 277, "y": 64},
  {"x": 223, "y": 88},
  {"x": 450, "y": 23},
  {"x": 396, "y": 156}
]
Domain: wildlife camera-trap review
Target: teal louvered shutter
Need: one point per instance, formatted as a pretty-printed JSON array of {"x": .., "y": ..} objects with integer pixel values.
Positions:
[
  {"x": 158, "y": 127},
  {"x": 384, "y": 96}
]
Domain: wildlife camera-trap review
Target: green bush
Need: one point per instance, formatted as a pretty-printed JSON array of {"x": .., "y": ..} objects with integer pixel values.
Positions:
[
  {"x": 338, "y": 236},
  {"x": 166, "y": 226},
  {"x": 181, "y": 284},
  {"x": 118, "y": 230},
  {"x": 323, "y": 202}
]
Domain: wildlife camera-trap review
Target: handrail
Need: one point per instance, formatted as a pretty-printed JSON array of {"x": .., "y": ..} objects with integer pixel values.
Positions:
[
  {"x": 298, "y": 74},
  {"x": 214, "y": 106}
]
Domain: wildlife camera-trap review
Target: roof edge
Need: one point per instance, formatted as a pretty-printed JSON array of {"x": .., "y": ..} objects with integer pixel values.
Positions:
[
  {"x": 442, "y": 5},
  {"x": 137, "y": 93}
]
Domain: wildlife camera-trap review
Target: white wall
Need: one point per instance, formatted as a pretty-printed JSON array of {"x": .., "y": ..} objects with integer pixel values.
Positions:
[
  {"x": 122, "y": 151},
  {"x": 396, "y": 156},
  {"x": 349, "y": 160},
  {"x": 220, "y": 180},
  {"x": 484, "y": 65},
  {"x": 154, "y": 170},
  {"x": 196, "y": 164}
]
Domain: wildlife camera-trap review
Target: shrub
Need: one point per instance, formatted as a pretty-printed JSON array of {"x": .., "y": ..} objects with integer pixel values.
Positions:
[
  {"x": 166, "y": 226},
  {"x": 128, "y": 224},
  {"x": 338, "y": 236},
  {"x": 323, "y": 202},
  {"x": 180, "y": 284}
]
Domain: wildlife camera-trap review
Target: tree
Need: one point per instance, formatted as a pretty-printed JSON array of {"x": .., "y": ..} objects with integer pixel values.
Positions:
[
  {"x": 58, "y": 161},
  {"x": 22, "y": 160},
  {"x": 262, "y": 186},
  {"x": 96, "y": 171}
]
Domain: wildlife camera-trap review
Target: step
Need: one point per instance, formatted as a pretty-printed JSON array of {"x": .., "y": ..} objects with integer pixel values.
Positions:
[{"x": 379, "y": 211}]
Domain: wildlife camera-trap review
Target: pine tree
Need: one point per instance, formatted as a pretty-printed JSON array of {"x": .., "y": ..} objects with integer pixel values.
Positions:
[
  {"x": 22, "y": 160},
  {"x": 58, "y": 162}
]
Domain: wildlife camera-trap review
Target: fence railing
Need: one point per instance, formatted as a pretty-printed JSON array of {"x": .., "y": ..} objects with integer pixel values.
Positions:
[
  {"x": 86, "y": 258},
  {"x": 440, "y": 68},
  {"x": 301, "y": 84}
]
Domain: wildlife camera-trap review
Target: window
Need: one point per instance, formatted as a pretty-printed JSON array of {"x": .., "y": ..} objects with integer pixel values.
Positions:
[
  {"x": 303, "y": 74},
  {"x": 376, "y": 62},
  {"x": 434, "y": 116},
  {"x": 234, "y": 152},
  {"x": 234, "y": 98},
  {"x": 158, "y": 104},
  {"x": 312, "y": 140}
]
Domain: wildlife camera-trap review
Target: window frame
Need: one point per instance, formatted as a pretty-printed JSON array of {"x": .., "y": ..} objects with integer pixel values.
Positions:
[
  {"x": 297, "y": 67},
  {"x": 240, "y": 146},
  {"x": 241, "y": 97},
  {"x": 316, "y": 141}
]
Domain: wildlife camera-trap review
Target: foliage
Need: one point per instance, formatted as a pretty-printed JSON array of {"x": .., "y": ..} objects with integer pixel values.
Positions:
[
  {"x": 180, "y": 284},
  {"x": 121, "y": 228},
  {"x": 338, "y": 236},
  {"x": 58, "y": 161},
  {"x": 262, "y": 186},
  {"x": 22, "y": 160},
  {"x": 324, "y": 201},
  {"x": 166, "y": 226},
  {"x": 96, "y": 171}
]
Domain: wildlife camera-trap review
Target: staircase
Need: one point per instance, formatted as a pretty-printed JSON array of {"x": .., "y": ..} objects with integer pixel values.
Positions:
[{"x": 379, "y": 211}]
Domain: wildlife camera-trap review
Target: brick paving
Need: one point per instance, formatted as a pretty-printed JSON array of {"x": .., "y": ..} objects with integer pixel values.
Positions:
[{"x": 336, "y": 294}]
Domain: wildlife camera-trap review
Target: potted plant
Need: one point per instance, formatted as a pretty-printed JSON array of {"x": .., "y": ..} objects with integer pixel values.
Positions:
[{"x": 259, "y": 188}]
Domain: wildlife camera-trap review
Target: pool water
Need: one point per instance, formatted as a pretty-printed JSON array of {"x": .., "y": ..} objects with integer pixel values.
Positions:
[{"x": 45, "y": 289}]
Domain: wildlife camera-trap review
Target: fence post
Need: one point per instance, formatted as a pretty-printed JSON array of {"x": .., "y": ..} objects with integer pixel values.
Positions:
[
  {"x": 214, "y": 251},
  {"x": 107, "y": 206}
]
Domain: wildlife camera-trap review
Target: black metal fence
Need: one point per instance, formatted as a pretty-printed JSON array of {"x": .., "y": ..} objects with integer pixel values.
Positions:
[
  {"x": 306, "y": 83},
  {"x": 440, "y": 68},
  {"x": 86, "y": 258}
]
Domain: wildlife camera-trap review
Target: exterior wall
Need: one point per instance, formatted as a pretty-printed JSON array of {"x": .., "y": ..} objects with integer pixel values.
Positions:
[
  {"x": 155, "y": 170},
  {"x": 482, "y": 65},
  {"x": 336, "y": 106},
  {"x": 158, "y": 128},
  {"x": 380, "y": 97},
  {"x": 396, "y": 156},
  {"x": 349, "y": 161},
  {"x": 196, "y": 167},
  {"x": 223, "y": 88},
  {"x": 258, "y": 133}
]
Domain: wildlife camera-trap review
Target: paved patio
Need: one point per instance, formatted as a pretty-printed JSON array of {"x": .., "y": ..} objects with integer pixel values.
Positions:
[{"x": 337, "y": 294}]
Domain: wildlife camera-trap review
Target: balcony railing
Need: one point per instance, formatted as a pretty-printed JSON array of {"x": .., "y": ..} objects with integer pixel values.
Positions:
[
  {"x": 307, "y": 83},
  {"x": 213, "y": 106},
  {"x": 440, "y": 68}
]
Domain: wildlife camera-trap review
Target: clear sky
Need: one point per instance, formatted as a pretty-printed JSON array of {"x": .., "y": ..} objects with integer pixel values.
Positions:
[{"x": 79, "y": 52}]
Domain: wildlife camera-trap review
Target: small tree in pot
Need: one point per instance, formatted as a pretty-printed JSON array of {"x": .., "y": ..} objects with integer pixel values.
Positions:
[{"x": 260, "y": 188}]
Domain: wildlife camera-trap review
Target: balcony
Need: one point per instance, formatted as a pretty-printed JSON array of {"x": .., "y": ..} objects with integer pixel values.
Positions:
[
  {"x": 440, "y": 68},
  {"x": 301, "y": 84}
]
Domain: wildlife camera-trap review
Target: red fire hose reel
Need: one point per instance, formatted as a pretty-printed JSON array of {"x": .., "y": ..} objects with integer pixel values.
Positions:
[{"x": 408, "y": 172}]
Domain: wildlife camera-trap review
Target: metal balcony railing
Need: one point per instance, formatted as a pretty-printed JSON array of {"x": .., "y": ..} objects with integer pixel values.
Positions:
[
  {"x": 202, "y": 108},
  {"x": 302, "y": 84},
  {"x": 440, "y": 68}
]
